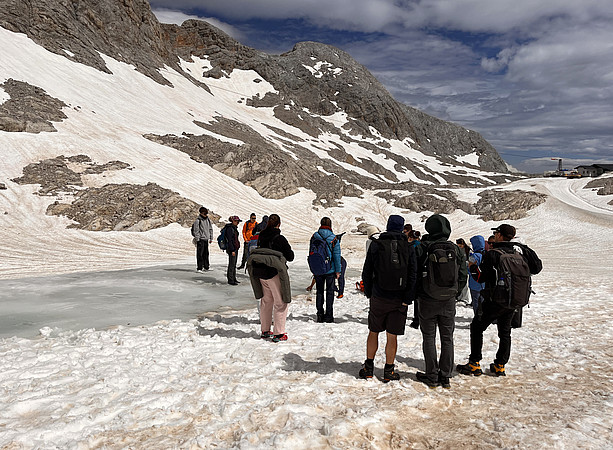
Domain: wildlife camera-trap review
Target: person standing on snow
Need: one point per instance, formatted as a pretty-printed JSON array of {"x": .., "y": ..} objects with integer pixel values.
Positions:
[
  {"x": 495, "y": 307},
  {"x": 475, "y": 258},
  {"x": 444, "y": 274},
  {"x": 233, "y": 245},
  {"x": 389, "y": 275},
  {"x": 267, "y": 267},
  {"x": 202, "y": 230},
  {"x": 248, "y": 229},
  {"x": 327, "y": 280}
]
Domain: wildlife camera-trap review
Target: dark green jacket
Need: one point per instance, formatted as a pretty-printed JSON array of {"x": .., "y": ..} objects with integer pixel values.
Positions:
[{"x": 271, "y": 258}]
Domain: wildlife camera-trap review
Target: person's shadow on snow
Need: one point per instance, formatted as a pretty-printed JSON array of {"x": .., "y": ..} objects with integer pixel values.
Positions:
[
  {"x": 231, "y": 320},
  {"x": 324, "y": 365},
  {"x": 227, "y": 333},
  {"x": 412, "y": 362},
  {"x": 337, "y": 319}
]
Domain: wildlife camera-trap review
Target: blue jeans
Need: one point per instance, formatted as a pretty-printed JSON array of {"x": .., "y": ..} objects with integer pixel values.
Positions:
[
  {"x": 477, "y": 298},
  {"x": 328, "y": 281}
]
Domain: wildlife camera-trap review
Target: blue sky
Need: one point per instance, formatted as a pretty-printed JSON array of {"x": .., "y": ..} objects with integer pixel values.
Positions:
[{"x": 534, "y": 78}]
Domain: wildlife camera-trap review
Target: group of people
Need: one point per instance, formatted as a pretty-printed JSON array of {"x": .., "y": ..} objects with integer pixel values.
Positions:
[
  {"x": 432, "y": 275},
  {"x": 401, "y": 268}
]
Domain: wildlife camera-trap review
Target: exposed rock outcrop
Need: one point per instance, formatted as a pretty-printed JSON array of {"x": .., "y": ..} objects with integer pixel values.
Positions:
[
  {"x": 604, "y": 186},
  {"x": 127, "y": 207},
  {"x": 126, "y": 30},
  {"x": 113, "y": 207},
  {"x": 29, "y": 108},
  {"x": 495, "y": 205},
  {"x": 55, "y": 176}
]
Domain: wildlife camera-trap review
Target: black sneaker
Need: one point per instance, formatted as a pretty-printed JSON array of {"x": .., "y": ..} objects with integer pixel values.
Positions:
[
  {"x": 367, "y": 370},
  {"x": 444, "y": 381},
  {"x": 389, "y": 374},
  {"x": 414, "y": 324},
  {"x": 498, "y": 370},
  {"x": 472, "y": 368},
  {"x": 426, "y": 380},
  {"x": 320, "y": 318}
]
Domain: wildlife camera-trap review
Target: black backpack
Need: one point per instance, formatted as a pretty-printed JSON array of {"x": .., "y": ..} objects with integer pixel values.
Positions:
[
  {"x": 392, "y": 264},
  {"x": 222, "y": 239},
  {"x": 513, "y": 280},
  {"x": 440, "y": 271}
]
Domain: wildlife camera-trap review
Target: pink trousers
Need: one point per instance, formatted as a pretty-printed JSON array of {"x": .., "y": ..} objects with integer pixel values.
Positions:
[{"x": 273, "y": 306}]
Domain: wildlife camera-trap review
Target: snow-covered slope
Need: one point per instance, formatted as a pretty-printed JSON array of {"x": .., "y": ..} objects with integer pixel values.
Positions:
[{"x": 213, "y": 383}]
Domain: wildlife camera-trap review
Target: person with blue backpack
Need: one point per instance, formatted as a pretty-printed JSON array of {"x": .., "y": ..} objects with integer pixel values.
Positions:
[{"x": 325, "y": 263}]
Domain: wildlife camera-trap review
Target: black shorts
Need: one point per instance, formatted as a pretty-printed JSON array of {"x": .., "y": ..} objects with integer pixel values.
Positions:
[{"x": 387, "y": 315}]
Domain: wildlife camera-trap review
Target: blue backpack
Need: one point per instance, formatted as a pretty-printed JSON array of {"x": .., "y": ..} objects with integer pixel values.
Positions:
[
  {"x": 320, "y": 255},
  {"x": 221, "y": 239}
]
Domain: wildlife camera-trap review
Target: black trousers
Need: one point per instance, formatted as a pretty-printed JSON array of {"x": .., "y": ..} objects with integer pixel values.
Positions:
[
  {"x": 202, "y": 255},
  {"x": 231, "y": 273},
  {"x": 491, "y": 312},
  {"x": 327, "y": 281}
]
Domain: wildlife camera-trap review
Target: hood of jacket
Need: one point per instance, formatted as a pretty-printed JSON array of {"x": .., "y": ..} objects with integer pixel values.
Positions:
[
  {"x": 438, "y": 227},
  {"x": 477, "y": 243},
  {"x": 395, "y": 223},
  {"x": 325, "y": 233}
]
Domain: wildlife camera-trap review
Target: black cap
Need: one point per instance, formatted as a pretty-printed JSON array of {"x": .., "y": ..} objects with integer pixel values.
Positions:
[{"x": 507, "y": 231}]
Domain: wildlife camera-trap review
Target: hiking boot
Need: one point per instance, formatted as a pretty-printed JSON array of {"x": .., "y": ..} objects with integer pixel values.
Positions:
[
  {"x": 472, "y": 368},
  {"x": 444, "y": 381},
  {"x": 266, "y": 334},
  {"x": 498, "y": 370},
  {"x": 426, "y": 380},
  {"x": 367, "y": 370},
  {"x": 279, "y": 337},
  {"x": 389, "y": 374}
]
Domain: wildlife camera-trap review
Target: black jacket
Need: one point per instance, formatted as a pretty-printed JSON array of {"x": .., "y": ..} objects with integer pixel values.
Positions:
[
  {"x": 368, "y": 272},
  {"x": 232, "y": 238},
  {"x": 273, "y": 239}
]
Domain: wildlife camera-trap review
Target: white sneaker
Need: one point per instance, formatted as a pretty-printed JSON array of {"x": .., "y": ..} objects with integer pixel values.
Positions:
[{"x": 200, "y": 271}]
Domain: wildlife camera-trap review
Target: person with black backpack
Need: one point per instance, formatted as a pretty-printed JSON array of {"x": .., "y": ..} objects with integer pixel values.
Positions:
[
  {"x": 389, "y": 276},
  {"x": 506, "y": 270},
  {"x": 444, "y": 275}
]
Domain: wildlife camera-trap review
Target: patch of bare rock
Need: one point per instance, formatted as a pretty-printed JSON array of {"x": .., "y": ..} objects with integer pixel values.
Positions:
[{"x": 112, "y": 207}]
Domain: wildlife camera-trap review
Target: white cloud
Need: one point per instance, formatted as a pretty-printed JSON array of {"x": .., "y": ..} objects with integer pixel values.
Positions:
[{"x": 178, "y": 17}]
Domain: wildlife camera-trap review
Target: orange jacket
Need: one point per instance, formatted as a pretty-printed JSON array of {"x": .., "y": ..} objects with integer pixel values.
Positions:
[{"x": 248, "y": 230}]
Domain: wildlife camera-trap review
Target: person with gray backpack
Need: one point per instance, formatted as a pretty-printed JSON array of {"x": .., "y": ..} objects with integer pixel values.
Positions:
[
  {"x": 443, "y": 275},
  {"x": 506, "y": 270}
]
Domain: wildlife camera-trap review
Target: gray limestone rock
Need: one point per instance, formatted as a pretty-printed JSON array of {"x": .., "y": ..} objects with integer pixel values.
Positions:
[
  {"x": 496, "y": 205},
  {"x": 29, "y": 109},
  {"x": 127, "y": 207}
]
